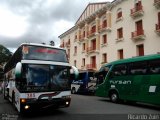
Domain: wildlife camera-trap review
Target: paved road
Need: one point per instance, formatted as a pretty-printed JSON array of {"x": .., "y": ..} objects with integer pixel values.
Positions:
[{"x": 83, "y": 107}]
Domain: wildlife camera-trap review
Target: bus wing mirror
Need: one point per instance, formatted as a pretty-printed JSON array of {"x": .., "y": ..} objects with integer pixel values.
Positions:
[
  {"x": 74, "y": 71},
  {"x": 18, "y": 70}
]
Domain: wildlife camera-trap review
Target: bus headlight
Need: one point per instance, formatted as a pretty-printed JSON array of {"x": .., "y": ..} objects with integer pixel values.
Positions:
[
  {"x": 23, "y": 100},
  {"x": 26, "y": 107},
  {"x": 67, "y": 103}
]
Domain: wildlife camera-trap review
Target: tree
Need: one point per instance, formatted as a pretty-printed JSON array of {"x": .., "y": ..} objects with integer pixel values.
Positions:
[
  {"x": 5, "y": 54},
  {"x": 52, "y": 43}
]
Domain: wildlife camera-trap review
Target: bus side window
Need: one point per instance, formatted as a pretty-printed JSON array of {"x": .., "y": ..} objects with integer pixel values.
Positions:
[
  {"x": 138, "y": 68},
  {"x": 119, "y": 70},
  {"x": 154, "y": 67}
]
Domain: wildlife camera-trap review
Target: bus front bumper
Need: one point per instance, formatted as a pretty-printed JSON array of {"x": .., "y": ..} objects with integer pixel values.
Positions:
[{"x": 32, "y": 105}]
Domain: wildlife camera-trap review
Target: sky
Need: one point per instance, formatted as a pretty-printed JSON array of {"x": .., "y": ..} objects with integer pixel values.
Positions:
[{"x": 38, "y": 21}]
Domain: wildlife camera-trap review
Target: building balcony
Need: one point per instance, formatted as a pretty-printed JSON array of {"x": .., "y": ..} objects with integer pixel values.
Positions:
[
  {"x": 81, "y": 38},
  {"x": 138, "y": 35},
  {"x": 103, "y": 28},
  {"x": 61, "y": 46},
  {"x": 68, "y": 44},
  {"x": 92, "y": 50},
  {"x": 104, "y": 44},
  {"x": 119, "y": 39},
  {"x": 83, "y": 67},
  {"x": 103, "y": 62},
  {"x": 157, "y": 3},
  {"x": 91, "y": 33},
  {"x": 119, "y": 19},
  {"x": 157, "y": 30},
  {"x": 91, "y": 66},
  {"x": 137, "y": 11}
]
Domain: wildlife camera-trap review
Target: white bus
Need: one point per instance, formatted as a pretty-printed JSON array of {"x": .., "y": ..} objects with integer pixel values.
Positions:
[{"x": 37, "y": 77}]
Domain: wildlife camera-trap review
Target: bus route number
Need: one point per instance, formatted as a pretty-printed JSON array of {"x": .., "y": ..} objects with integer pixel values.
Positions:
[{"x": 30, "y": 95}]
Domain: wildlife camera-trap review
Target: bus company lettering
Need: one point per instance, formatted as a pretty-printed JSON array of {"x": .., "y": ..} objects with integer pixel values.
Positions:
[
  {"x": 93, "y": 78},
  {"x": 77, "y": 82},
  {"x": 124, "y": 82}
]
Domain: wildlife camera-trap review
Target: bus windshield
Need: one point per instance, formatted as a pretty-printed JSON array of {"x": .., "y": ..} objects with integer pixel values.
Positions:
[
  {"x": 44, "y": 53},
  {"x": 45, "y": 78}
]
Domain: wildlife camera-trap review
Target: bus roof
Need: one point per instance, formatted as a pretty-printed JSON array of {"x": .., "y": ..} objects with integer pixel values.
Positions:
[
  {"x": 41, "y": 45},
  {"x": 134, "y": 59}
]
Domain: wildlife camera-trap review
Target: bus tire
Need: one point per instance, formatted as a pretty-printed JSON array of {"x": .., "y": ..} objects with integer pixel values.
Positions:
[
  {"x": 73, "y": 90},
  {"x": 114, "y": 97}
]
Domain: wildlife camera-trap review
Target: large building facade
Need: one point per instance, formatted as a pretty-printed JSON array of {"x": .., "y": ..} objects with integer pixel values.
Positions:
[{"x": 109, "y": 31}]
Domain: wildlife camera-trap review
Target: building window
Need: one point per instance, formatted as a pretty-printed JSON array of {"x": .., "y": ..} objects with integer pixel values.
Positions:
[
  {"x": 139, "y": 27},
  {"x": 104, "y": 58},
  {"x": 75, "y": 63},
  {"x": 120, "y": 54},
  {"x": 158, "y": 24},
  {"x": 139, "y": 32},
  {"x": 83, "y": 47},
  {"x": 140, "y": 50},
  {"x": 104, "y": 24},
  {"x": 75, "y": 49},
  {"x": 119, "y": 13},
  {"x": 75, "y": 36},
  {"x": 69, "y": 41},
  {"x": 68, "y": 53},
  {"x": 104, "y": 39},
  {"x": 159, "y": 18},
  {"x": 120, "y": 33},
  {"x": 62, "y": 45},
  {"x": 83, "y": 62},
  {"x": 84, "y": 34},
  {"x": 93, "y": 29},
  {"x": 138, "y": 4},
  {"x": 92, "y": 64},
  {"x": 93, "y": 61},
  {"x": 93, "y": 44},
  {"x": 138, "y": 8}
]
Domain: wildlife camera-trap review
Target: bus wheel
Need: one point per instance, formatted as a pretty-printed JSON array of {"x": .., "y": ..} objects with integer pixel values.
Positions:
[
  {"x": 73, "y": 90},
  {"x": 114, "y": 97}
]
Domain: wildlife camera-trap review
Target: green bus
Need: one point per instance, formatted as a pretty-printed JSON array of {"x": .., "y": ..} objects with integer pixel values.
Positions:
[{"x": 134, "y": 79}]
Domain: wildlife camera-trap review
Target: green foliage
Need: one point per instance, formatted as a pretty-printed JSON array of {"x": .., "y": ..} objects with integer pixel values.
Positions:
[
  {"x": 5, "y": 54},
  {"x": 52, "y": 43}
]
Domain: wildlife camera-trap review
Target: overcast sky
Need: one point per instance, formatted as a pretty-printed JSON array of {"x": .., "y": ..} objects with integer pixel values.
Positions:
[{"x": 38, "y": 20}]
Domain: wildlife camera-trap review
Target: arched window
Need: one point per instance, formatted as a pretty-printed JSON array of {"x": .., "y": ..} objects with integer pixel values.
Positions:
[{"x": 119, "y": 13}]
